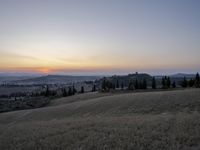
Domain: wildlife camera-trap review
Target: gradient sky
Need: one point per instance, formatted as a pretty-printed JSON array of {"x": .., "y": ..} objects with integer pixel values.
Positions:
[{"x": 99, "y": 36}]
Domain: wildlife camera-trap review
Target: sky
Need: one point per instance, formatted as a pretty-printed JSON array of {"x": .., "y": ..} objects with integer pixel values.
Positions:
[{"x": 99, "y": 36}]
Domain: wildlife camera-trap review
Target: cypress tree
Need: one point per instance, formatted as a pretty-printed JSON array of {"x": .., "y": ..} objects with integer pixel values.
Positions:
[
  {"x": 82, "y": 89},
  {"x": 94, "y": 88},
  {"x": 191, "y": 82},
  {"x": 103, "y": 86},
  {"x": 168, "y": 82},
  {"x": 153, "y": 83},
  {"x": 64, "y": 92},
  {"x": 197, "y": 80},
  {"x": 47, "y": 92},
  {"x": 117, "y": 84},
  {"x": 144, "y": 84},
  {"x": 136, "y": 84},
  {"x": 113, "y": 86},
  {"x": 184, "y": 82},
  {"x": 130, "y": 85},
  {"x": 163, "y": 82},
  {"x": 73, "y": 90},
  {"x": 197, "y": 77},
  {"x": 174, "y": 84},
  {"x": 122, "y": 86}
]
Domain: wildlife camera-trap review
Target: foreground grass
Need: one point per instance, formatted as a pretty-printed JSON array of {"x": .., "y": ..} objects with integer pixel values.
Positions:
[{"x": 142, "y": 121}]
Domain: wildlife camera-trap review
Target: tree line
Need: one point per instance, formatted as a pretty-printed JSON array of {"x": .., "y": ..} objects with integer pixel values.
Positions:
[{"x": 166, "y": 83}]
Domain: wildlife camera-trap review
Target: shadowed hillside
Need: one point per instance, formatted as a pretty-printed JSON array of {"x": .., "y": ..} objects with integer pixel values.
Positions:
[{"x": 152, "y": 120}]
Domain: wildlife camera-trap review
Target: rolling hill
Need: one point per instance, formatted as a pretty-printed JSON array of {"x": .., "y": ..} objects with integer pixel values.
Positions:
[
  {"x": 55, "y": 79},
  {"x": 151, "y": 120}
]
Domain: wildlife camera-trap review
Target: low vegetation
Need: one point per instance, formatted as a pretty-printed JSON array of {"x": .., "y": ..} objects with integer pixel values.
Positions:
[{"x": 142, "y": 121}]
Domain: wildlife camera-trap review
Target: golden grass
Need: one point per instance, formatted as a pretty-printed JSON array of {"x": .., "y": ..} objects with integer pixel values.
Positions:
[{"x": 143, "y": 121}]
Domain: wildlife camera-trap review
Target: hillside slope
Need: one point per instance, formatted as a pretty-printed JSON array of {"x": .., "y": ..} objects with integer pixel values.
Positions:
[{"x": 153, "y": 120}]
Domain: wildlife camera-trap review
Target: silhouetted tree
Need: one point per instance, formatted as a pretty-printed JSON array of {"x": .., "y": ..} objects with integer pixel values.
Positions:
[
  {"x": 117, "y": 84},
  {"x": 64, "y": 92},
  {"x": 70, "y": 91},
  {"x": 94, "y": 88},
  {"x": 122, "y": 86},
  {"x": 184, "y": 82},
  {"x": 191, "y": 82},
  {"x": 168, "y": 82},
  {"x": 197, "y": 81},
  {"x": 153, "y": 83},
  {"x": 131, "y": 85},
  {"x": 144, "y": 84},
  {"x": 163, "y": 83},
  {"x": 197, "y": 77},
  {"x": 47, "y": 92},
  {"x": 174, "y": 84},
  {"x": 73, "y": 90},
  {"x": 113, "y": 86},
  {"x": 107, "y": 85},
  {"x": 82, "y": 89},
  {"x": 136, "y": 84},
  {"x": 103, "y": 86}
]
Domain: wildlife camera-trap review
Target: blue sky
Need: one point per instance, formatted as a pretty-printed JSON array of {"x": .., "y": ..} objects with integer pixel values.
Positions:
[{"x": 99, "y": 36}]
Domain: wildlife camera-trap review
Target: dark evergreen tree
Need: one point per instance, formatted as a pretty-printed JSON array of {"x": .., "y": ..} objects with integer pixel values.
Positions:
[
  {"x": 113, "y": 86},
  {"x": 197, "y": 77},
  {"x": 168, "y": 82},
  {"x": 73, "y": 90},
  {"x": 163, "y": 83},
  {"x": 174, "y": 84},
  {"x": 130, "y": 85},
  {"x": 136, "y": 84},
  {"x": 82, "y": 89},
  {"x": 103, "y": 86},
  {"x": 191, "y": 82},
  {"x": 64, "y": 92},
  {"x": 153, "y": 83},
  {"x": 47, "y": 92},
  {"x": 70, "y": 91},
  {"x": 117, "y": 84},
  {"x": 122, "y": 86},
  {"x": 184, "y": 82},
  {"x": 144, "y": 84},
  {"x": 94, "y": 88},
  {"x": 197, "y": 81}
]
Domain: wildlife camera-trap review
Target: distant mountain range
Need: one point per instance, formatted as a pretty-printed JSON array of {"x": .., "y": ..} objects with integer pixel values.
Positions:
[
  {"x": 179, "y": 75},
  {"x": 28, "y": 79},
  {"x": 49, "y": 79},
  {"x": 182, "y": 75}
]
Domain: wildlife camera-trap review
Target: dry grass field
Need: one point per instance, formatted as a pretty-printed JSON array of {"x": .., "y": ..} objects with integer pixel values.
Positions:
[{"x": 167, "y": 120}]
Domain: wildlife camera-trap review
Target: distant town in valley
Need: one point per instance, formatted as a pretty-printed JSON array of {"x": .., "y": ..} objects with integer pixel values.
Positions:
[
  {"x": 25, "y": 92},
  {"x": 99, "y": 75}
]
